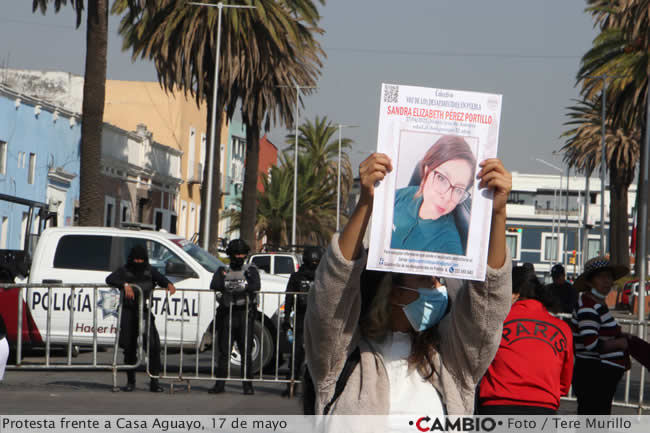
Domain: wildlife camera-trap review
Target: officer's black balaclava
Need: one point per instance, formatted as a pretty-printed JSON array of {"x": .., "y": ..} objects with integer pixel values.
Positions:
[
  {"x": 311, "y": 257},
  {"x": 236, "y": 262},
  {"x": 235, "y": 247},
  {"x": 138, "y": 252}
]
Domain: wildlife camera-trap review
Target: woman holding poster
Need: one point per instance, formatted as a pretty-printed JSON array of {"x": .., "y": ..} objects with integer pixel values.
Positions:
[
  {"x": 423, "y": 219},
  {"x": 390, "y": 343}
]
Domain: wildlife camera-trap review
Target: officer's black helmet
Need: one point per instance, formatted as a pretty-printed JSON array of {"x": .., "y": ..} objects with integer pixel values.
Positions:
[
  {"x": 311, "y": 256},
  {"x": 237, "y": 246}
]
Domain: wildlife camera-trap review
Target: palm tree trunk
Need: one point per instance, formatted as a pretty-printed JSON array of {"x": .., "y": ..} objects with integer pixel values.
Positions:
[
  {"x": 249, "y": 196},
  {"x": 216, "y": 183},
  {"x": 641, "y": 195},
  {"x": 91, "y": 201},
  {"x": 618, "y": 221}
]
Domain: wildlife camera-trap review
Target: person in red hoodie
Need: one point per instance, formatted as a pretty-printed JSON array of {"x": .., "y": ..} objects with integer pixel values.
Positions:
[{"x": 534, "y": 363}]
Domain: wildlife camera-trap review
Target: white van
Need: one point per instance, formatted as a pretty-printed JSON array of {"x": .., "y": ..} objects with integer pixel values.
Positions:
[{"x": 87, "y": 255}]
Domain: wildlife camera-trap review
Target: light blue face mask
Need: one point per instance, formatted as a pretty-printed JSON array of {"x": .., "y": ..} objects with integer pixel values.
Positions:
[{"x": 428, "y": 309}]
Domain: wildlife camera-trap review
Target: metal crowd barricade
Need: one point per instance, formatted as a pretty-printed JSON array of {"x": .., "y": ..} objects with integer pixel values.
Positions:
[
  {"x": 203, "y": 367},
  {"x": 630, "y": 326},
  {"x": 71, "y": 304}
]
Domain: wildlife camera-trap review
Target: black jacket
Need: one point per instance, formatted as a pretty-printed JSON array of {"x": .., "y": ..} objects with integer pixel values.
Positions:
[
  {"x": 147, "y": 280},
  {"x": 300, "y": 281},
  {"x": 565, "y": 295}
]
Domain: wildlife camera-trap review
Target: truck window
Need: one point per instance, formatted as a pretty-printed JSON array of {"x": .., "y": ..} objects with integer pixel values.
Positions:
[
  {"x": 91, "y": 253},
  {"x": 263, "y": 263},
  {"x": 284, "y": 265},
  {"x": 159, "y": 254}
]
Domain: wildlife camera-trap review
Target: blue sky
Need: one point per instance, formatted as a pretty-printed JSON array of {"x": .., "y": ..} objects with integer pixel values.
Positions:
[{"x": 526, "y": 50}]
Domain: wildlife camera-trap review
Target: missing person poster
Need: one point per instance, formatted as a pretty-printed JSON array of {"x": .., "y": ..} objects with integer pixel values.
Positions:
[{"x": 429, "y": 215}]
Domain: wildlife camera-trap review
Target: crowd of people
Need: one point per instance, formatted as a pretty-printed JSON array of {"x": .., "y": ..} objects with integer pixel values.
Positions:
[
  {"x": 370, "y": 342},
  {"x": 394, "y": 343}
]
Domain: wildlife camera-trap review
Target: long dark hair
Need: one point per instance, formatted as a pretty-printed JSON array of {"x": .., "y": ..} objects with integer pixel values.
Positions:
[
  {"x": 375, "y": 318},
  {"x": 530, "y": 287}
]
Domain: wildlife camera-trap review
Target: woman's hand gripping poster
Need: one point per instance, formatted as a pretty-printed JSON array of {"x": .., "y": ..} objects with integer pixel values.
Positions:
[{"x": 429, "y": 215}]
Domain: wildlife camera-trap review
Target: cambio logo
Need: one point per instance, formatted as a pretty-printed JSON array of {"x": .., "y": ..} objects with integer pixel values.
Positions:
[{"x": 461, "y": 424}]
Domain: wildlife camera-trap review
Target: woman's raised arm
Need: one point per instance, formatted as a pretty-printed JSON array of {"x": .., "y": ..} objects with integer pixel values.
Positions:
[{"x": 372, "y": 170}]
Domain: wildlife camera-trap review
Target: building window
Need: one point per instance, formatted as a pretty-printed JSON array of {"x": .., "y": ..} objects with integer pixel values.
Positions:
[
  {"x": 551, "y": 244},
  {"x": 593, "y": 246},
  {"x": 158, "y": 220},
  {"x": 109, "y": 210},
  {"x": 32, "y": 168},
  {"x": 23, "y": 230},
  {"x": 5, "y": 231},
  {"x": 191, "y": 153},
  {"x": 125, "y": 212},
  {"x": 513, "y": 241},
  {"x": 3, "y": 157}
]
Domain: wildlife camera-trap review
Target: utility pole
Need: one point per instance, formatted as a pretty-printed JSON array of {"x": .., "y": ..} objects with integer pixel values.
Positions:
[
  {"x": 295, "y": 163},
  {"x": 213, "y": 121},
  {"x": 603, "y": 156},
  {"x": 338, "y": 178}
]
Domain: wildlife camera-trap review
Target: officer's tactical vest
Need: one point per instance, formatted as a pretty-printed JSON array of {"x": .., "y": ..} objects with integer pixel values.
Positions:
[{"x": 235, "y": 287}]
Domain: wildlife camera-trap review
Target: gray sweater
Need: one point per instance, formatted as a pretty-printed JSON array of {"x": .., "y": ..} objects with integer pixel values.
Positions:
[{"x": 469, "y": 338}]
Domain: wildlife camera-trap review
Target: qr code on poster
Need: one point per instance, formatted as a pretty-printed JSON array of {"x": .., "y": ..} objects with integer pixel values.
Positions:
[{"x": 391, "y": 93}]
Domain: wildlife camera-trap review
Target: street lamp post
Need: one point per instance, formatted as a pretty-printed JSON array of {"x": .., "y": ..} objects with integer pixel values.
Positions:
[
  {"x": 213, "y": 122},
  {"x": 566, "y": 214},
  {"x": 557, "y": 243},
  {"x": 338, "y": 178},
  {"x": 295, "y": 163},
  {"x": 603, "y": 156}
]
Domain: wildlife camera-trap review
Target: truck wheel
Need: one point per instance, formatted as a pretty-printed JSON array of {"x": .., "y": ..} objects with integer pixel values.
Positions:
[{"x": 259, "y": 334}]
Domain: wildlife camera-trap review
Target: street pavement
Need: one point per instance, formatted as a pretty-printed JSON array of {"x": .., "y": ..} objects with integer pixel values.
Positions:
[
  {"x": 80, "y": 391},
  {"x": 83, "y": 392},
  {"x": 91, "y": 392},
  {"x": 74, "y": 392}
]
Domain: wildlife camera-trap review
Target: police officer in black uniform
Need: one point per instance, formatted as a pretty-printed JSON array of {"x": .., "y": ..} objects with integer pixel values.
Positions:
[
  {"x": 238, "y": 285},
  {"x": 138, "y": 271},
  {"x": 300, "y": 281}
]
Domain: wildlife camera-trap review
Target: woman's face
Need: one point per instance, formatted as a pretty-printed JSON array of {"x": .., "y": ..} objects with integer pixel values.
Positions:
[
  {"x": 602, "y": 281},
  {"x": 443, "y": 188}
]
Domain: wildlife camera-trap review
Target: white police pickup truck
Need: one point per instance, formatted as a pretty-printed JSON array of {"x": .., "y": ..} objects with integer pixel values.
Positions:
[{"x": 86, "y": 255}]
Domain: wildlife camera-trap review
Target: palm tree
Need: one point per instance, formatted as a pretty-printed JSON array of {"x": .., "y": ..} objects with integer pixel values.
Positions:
[
  {"x": 320, "y": 141},
  {"x": 317, "y": 189},
  {"x": 274, "y": 206},
  {"x": 264, "y": 101},
  {"x": 621, "y": 49},
  {"x": 622, "y": 145},
  {"x": 181, "y": 39},
  {"x": 91, "y": 202}
]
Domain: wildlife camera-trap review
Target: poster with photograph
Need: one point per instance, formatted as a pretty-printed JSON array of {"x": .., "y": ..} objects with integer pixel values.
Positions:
[{"x": 429, "y": 215}]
